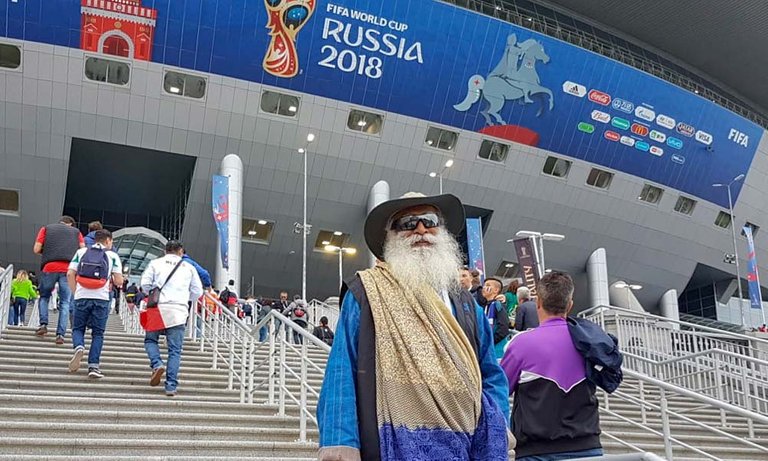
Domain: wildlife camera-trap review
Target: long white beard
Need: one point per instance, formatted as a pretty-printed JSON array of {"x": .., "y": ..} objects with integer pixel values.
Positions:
[{"x": 436, "y": 265}]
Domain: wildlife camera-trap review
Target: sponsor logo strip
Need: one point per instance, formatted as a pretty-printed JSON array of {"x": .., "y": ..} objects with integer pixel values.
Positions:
[
  {"x": 640, "y": 130},
  {"x": 599, "y": 97},
  {"x": 627, "y": 141},
  {"x": 601, "y": 116},
  {"x": 623, "y": 105},
  {"x": 642, "y": 145},
  {"x": 665, "y": 121},
  {"x": 704, "y": 138},
  {"x": 674, "y": 143},
  {"x": 574, "y": 89},
  {"x": 612, "y": 136},
  {"x": 685, "y": 129},
  {"x": 658, "y": 136},
  {"x": 657, "y": 151},
  {"x": 620, "y": 123},
  {"x": 677, "y": 158},
  {"x": 586, "y": 127},
  {"x": 645, "y": 113}
]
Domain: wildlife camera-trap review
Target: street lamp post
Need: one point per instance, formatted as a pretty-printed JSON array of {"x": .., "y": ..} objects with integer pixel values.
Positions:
[
  {"x": 735, "y": 243},
  {"x": 340, "y": 251},
  {"x": 538, "y": 243},
  {"x": 448, "y": 164},
  {"x": 630, "y": 288},
  {"x": 304, "y": 227}
]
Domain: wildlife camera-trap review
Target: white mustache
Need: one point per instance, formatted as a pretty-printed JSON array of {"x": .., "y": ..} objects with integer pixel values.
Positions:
[{"x": 415, "y": 238}]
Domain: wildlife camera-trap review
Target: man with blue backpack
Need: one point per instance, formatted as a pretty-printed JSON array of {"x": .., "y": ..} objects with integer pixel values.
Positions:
[
  {"x": 553, "y": 371},
  {"x": 91, "y": 274}
]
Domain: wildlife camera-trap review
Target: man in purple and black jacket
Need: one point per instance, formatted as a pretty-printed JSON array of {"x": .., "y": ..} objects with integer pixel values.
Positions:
[{"x": 555, "y": 410}]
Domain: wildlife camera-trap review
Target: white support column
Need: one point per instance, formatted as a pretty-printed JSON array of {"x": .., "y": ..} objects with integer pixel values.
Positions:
[
  {"x": 597, "y": 273},
  {"x": 378, "y": 195},
  {"x": 669, "y": 307},
  {"x": 232, "y": 167}
]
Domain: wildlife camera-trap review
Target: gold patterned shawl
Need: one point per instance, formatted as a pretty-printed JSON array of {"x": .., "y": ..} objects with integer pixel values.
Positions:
[{"x": 427, "y": 375}]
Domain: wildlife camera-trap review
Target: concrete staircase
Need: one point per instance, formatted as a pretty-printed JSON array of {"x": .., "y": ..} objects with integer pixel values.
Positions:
[{"x": 49, "y": 414}]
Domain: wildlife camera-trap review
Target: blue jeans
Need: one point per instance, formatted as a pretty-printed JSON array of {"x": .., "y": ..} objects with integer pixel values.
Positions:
[
  {"x": 94, "y": 314},
  {"x": 263, "y": 333},
  {"x": 47, "y": 282},
  {"x": 16, "y": 312},
  {"x": 175, "y": 337},
  {"x": 564, "y": 456}
]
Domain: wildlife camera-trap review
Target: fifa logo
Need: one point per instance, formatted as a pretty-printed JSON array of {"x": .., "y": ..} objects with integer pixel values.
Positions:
[{"x": 286, "y": 18}]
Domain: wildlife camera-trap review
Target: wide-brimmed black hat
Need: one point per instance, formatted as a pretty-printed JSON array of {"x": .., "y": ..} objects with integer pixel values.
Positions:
[{"x": 451, "y": 210}]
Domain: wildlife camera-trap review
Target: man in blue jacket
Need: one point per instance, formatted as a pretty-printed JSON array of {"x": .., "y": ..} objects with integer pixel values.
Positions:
[
  {"x": 205, "y": 277},
  {"x": 412, "y": 373}
]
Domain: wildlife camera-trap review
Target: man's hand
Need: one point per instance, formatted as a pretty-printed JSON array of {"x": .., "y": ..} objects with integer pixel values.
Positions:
[
  {"x": 71, "y": 281},
  {"x": 501, "y": 298}
]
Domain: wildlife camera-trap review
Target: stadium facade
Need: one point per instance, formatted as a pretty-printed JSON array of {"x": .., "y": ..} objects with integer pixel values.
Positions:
[{"x": 122, "y": 110}]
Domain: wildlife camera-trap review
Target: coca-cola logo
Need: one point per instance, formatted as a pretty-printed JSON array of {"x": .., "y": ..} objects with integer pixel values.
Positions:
[{"x": 599, "y": 97}]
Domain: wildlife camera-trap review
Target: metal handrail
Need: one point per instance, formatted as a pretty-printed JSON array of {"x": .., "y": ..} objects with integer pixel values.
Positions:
[
  {"x": 317, "y": 309},
  {"x": 721, "y": 365},
  {"x": 664, "y": 412},
  {"x": 235, "y": 345},
  {"x": 659, "y": 318},
  {"x": 6, "y": 278}
]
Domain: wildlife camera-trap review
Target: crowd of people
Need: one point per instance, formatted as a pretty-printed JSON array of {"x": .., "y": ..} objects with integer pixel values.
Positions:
[
  {"x": 87, "y": 277},
  {"x": 425, "y": 356}
]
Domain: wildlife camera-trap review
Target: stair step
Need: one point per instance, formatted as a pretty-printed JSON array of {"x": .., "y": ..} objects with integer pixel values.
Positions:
[{"x": 89, "y": 447}]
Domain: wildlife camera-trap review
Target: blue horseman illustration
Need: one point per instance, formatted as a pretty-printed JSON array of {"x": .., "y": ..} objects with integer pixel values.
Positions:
[{"x": 513, "y": 79}]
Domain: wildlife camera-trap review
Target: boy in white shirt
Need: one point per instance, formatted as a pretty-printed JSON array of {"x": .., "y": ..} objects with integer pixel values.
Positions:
[{"x": 90, "y": 275}]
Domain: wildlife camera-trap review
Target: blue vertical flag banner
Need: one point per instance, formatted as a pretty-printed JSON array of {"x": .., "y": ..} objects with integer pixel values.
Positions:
[
  {"x": 753, "y": 279},
  {"x": 475, "y": 246},
  {"x": 220, "y": 202}
]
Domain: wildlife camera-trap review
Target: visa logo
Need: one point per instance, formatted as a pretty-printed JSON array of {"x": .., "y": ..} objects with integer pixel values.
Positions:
[
  {"x": 642, "y": 145},
  {"x": 674, "y": 143},
  {"x": 704, "y": 138},
  {"x": 738, "y": 137}
]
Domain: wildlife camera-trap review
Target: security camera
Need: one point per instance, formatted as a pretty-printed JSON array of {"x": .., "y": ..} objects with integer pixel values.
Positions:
[{"x": 710, "y": 148}]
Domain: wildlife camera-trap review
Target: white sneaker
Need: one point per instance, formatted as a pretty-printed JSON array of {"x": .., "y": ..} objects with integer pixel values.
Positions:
[{"x": 74, "y": 364}]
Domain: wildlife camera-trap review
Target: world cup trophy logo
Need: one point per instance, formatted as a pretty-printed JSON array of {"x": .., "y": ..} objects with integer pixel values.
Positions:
[{"x": 286, "y": 18}]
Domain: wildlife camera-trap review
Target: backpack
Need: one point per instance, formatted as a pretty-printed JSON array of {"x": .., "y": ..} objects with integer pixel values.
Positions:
[
  {"x": 600, "y": 351},
  {"x": 93, "y": 269}
]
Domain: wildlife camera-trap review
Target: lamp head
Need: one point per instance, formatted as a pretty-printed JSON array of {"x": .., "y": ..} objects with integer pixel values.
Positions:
[
  {"x": 449, "y": 163},
  {"x": 310, "y": 137}
]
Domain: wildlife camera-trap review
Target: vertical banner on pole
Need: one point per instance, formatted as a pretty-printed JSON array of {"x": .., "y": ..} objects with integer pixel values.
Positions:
[
  {"x": 475, "y": 246},
  {"x": 753, "y": 278},
  {"x": 220, "y": 203},
  {"x": 526, "y": 257}
]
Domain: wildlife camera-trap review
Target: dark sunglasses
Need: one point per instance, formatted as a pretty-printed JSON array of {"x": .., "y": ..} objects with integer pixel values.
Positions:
[{"x": 411, "y": 222}]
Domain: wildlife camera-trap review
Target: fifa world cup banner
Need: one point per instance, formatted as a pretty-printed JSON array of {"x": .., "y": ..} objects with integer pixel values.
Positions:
[
  {"x": 220, "y": 203},
  {"x": 753, "y": 278},
  {"x": 529, "y": 265},
  {"x": 475, "y": 246}
]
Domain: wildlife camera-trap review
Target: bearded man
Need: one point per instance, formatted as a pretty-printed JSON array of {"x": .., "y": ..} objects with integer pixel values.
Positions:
[{"x": 412, "y": 373}]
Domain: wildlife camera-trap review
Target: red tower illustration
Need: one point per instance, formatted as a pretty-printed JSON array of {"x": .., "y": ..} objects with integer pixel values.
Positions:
[{"x": 117, "y": 27}]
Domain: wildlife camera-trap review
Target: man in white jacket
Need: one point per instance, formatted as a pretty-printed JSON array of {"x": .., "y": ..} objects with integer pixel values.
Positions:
[{"x": 177, "y": 291}]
